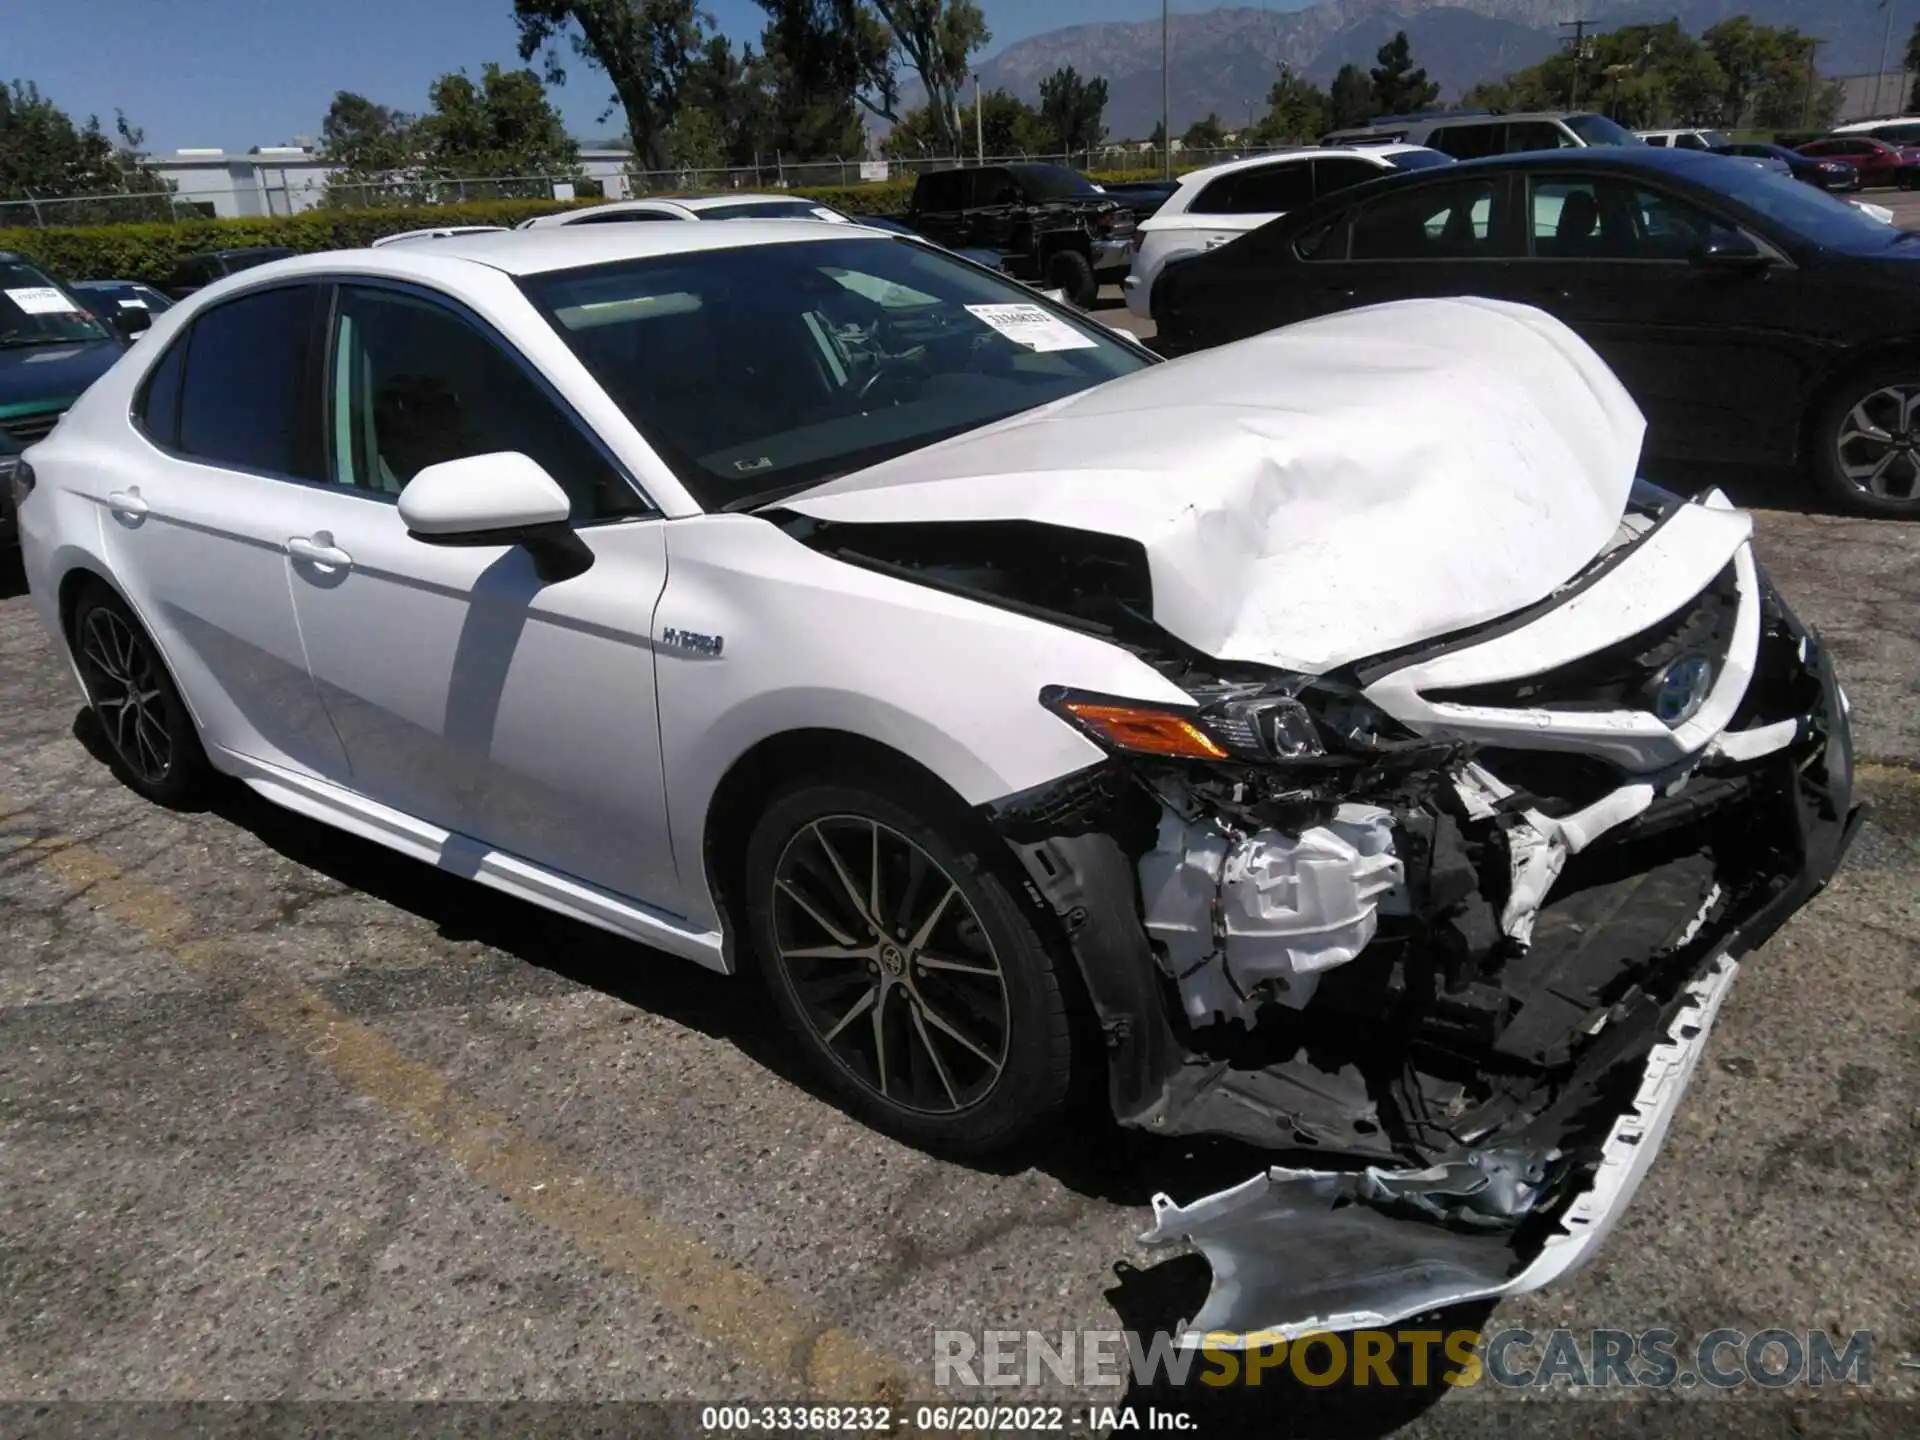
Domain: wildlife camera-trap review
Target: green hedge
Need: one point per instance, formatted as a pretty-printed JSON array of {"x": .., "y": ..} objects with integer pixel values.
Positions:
[{"x": 148, "y": 251}]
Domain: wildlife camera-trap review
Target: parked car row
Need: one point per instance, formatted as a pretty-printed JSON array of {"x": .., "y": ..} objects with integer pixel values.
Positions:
[{"x": 1753, "y": 318}]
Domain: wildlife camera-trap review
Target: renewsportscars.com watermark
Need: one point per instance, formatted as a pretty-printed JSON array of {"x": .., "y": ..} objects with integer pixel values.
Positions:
[{"x": 1513, "y": 1359}]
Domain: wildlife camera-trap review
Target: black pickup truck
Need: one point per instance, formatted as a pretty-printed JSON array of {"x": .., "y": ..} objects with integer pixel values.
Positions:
[{"x": 1049, "y": 224}]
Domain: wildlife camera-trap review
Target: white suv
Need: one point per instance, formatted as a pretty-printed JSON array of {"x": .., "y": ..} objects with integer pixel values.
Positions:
[{"x": 1222, "y": 202}]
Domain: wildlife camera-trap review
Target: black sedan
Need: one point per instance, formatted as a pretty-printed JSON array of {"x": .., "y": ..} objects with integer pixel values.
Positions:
[
  {"x": 1755, "y": 319},
  {"x": 1828, "y": 172}
]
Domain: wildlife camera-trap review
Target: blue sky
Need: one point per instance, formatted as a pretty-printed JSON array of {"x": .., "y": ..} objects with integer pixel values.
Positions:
[{"x": 235, "y": 73}]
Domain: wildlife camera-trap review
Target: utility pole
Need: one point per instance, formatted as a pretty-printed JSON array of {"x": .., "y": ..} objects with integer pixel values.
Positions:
[
  {"x": 1166, "y": 110},
  {"x": 1806, "y": 107},
  {"x": 979, "y": 125},
  {"x": 1579, "y": 28},
  {"x": 1886, "y": 46}
]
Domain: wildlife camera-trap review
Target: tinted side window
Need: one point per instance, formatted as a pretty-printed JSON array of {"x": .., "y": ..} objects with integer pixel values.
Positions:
[
  {"x": 1658, "y": 140},
  {"x": 1330, "y": 175},
  {"x": 946, "y": 191},
  {"x": 1325, "y": 241},
  {"x": 1611, "y": 220},
  {"x": 413, "y": 384},
  {"x": 1267, "y": 190},
  {"x": 1435, "y": 222},
  {"x": 1535, "y": 135},
  {"x": 1689, "y": 142},
  {"x": 157, "y": 407},
  {"x": 1468, "y": 142},
  {"x": 245, "y": 401},
  {"x": 621, "y": 217},
  {"x": 991, "y": 187}
]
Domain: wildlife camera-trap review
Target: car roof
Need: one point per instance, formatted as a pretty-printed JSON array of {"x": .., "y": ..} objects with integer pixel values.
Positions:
[
  {"x": 1305, "y": 152},
  {"x": 1604, "y": 157},
  {"x": 569, "y": 247}
]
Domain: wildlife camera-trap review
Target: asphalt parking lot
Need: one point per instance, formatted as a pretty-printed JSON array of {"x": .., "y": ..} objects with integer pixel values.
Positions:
[{"x": 286, "y": 1117}]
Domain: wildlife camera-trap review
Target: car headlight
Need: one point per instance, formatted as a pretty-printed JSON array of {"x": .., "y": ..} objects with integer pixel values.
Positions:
[{"x": 1294, "y": 719}]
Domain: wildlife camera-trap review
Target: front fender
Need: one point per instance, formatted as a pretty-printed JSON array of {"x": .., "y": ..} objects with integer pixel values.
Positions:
[{"x": 806, "y": 642}]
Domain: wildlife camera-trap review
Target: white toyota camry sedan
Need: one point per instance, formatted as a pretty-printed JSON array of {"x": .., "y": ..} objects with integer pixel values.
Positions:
[{"x": 1324, "y": 741}]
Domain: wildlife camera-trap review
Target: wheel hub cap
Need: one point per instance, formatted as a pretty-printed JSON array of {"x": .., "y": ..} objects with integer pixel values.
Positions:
[
  {"x": 890, "y": 965},
  {"x": 123, "y": 683},
  {"x": 1878, "y": 447}
]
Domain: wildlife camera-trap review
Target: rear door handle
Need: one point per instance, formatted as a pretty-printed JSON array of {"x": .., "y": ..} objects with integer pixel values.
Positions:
[
  {"x": 127, "y": 502},
  {"x": 319, "y": 549}
]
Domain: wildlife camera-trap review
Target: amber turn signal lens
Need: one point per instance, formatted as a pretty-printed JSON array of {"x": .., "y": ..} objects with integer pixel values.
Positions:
[{"x": 1149, "y": 732}]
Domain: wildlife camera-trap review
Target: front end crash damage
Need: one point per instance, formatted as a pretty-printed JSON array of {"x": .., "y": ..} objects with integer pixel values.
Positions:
[{"x": 1450, "y": 924}]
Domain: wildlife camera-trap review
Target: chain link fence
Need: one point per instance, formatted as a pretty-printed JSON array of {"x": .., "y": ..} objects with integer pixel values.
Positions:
[{"x": 284, "y": 190}]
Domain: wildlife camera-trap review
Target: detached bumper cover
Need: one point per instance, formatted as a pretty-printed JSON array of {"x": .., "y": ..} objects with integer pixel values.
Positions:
[
  {"x": 1509, "y": 1192},
  {"x": 1298, "y": 1251}
]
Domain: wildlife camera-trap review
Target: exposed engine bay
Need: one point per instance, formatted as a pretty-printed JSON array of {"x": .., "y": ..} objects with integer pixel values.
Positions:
[{"x": 1446, "y": 925}]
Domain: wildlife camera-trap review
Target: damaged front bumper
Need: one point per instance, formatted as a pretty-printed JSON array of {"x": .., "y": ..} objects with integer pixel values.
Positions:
[{"x": 1480, "y": 1049}]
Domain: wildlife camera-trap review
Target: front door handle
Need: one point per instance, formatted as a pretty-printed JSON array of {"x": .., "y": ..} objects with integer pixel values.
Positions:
[
  {"x": 127, "y": 502},
  {"x": 319, "y": 549}
]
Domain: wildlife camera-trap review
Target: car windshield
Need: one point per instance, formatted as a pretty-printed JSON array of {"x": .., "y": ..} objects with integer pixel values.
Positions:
[
  {"x": 1599, "y": 130},
  {"x": 1418, "y": 159},
  {"x": 762, "y": 370},
  {"x": 1810, "y": 213},
  {"x": 35, "y": 311},
  {"x": 1054, "y": 182}
]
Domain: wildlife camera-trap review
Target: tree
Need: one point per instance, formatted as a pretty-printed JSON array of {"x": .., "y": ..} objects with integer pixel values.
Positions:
[
  {"x": 501, "y": 127},
  {"x": 1764, "y": 72},
  {"x": 1911, "y": 64},
  {"x": 1071, "y": 110},
  {"x": 374, "y": 151},
  {"x": 1350, "y": 100},
  {"x": 825, "y": 60},
  {"x": 937, "y": 38},
  {"x": 1207, "y": 134},
  {"x": 366, "y": 139},
  {"x": 1398, "y": 88},
  {"x": 1296, "y": 111},
  {"x": 45, "y": 156},
  {"x": 644, "y": 47},
  {"x": 1008, "y": 126}
]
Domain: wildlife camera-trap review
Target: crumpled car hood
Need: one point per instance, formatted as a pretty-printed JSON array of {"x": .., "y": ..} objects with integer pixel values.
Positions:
[{"x": 1317, "y": 494}]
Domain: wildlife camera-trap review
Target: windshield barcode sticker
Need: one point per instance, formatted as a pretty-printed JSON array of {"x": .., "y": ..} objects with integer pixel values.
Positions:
[
  {"x": 42, "y": 300},
  {"x": 1032, "y": 326}
]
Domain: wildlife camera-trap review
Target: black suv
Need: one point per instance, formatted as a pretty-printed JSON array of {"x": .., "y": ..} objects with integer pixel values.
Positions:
[
  {"x": 196, "y": 271},
  {"x": 1048, "y": 223}
]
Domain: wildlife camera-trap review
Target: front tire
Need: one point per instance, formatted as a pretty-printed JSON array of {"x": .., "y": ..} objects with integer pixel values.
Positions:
[
  {"x": 150, "y": 737},
  {"x": 1071, "y": 273},
  {"x": 1865, "y": 449},
  {"x": 914, "y": 980}
]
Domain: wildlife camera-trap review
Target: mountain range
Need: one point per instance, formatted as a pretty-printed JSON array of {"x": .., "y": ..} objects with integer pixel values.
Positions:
[{"x": 1224, "y": 60}]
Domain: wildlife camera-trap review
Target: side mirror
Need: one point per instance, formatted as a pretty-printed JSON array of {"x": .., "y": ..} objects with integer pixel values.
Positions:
[
  {"x": 1730, "y": 250},
  {"x": 499, "y": 499},
  {"x": 131, "y": 321}
]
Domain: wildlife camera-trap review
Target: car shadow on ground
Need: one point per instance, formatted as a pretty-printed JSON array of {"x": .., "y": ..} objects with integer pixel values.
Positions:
[{"x": 13, "y": 578}]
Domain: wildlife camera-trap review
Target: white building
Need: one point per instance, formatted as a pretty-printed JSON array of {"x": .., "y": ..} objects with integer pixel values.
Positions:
[{"x": 285, "y": 179}]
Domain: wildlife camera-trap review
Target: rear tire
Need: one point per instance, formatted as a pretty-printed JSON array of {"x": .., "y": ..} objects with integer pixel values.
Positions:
[
  {"x": 944, "y": 1023},
  {"x": 1071, "y": 273},
  {"x": 150, "y": 737},
  {"x": 1864, "y": 448}
]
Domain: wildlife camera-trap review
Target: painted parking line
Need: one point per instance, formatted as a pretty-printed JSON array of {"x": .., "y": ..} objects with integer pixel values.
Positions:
[{"x": 795, "y": 1350}]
